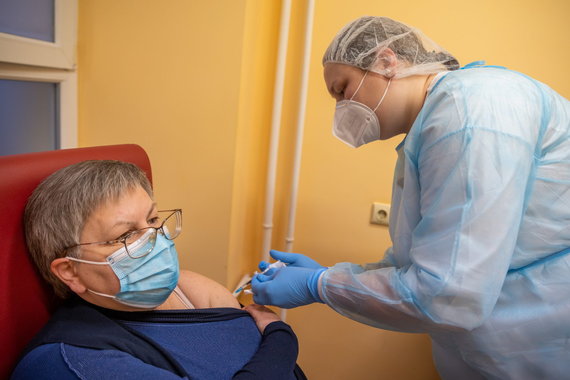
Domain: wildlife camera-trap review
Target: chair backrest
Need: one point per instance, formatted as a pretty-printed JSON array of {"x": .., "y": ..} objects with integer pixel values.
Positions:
[{"x": 25, "y": 301}]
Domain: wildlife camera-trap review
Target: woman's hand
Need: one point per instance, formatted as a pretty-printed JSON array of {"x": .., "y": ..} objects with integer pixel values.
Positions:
[{"x": 261, "y": 315}]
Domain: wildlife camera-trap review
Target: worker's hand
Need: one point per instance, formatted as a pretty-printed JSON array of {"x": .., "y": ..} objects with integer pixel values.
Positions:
[
  {"x": 287, "y": 287},
  {"x": 261, "y": 315},
  {"x": 291, "y": 259}
]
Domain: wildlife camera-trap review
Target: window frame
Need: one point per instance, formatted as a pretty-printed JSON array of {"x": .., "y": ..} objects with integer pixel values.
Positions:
[
  {"x": 28, "y": 59},
  {"x": 59, "y": 54},
  {"x": 67, "y": 81}
]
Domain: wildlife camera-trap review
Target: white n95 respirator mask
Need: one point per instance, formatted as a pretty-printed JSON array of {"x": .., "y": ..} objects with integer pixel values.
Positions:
[{"x": 356, "y": 124}]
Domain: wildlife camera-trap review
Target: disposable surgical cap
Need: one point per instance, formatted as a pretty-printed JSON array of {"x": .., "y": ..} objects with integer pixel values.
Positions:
[{"x": 366, "y": 43}]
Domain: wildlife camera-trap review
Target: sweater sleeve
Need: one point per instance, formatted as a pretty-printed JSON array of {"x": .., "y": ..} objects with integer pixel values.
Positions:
[
  {"x": 61, "y": 361},
  {"x": 276, "y": 357}
]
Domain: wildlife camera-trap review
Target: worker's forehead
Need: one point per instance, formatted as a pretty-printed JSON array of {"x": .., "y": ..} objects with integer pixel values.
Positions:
[
  {"x": 339, "y": 69},
  {"x": 338, "y": 72}
]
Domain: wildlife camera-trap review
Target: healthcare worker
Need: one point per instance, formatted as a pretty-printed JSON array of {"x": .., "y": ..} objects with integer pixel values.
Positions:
[{"x": 480, "y": 221}]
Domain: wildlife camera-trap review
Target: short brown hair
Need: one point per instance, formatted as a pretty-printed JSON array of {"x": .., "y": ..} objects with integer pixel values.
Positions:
[{"x": 59, "y": 207}]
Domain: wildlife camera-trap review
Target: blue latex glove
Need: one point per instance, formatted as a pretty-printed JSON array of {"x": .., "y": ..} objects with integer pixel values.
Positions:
[
  {"x": 287, "y": 287},
  {"x": 291, "y": 259}
]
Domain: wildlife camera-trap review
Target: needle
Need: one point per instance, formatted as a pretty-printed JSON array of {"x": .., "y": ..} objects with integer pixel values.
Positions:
[{"x": 277, "y": 264}]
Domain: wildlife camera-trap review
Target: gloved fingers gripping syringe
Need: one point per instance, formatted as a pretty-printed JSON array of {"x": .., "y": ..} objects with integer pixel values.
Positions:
[{"x": 275, "y": 265}]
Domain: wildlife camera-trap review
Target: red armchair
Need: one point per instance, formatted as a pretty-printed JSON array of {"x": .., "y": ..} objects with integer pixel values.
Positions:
[{"x": 25, "y": 301}]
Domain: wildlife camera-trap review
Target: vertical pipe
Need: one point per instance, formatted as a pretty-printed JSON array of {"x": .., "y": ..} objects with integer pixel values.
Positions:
[
  {"x": 275, "y": 129},
  {"x": 290, "y": 236}
]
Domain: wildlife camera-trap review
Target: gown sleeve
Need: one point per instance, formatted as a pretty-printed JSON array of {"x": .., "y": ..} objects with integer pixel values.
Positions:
[{"x": 472, "y": 174}]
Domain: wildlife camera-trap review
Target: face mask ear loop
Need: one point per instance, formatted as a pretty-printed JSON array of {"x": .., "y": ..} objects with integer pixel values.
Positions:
[
  {"x": 383, "y": 96},
  {"x": 360, "y": 85},
  {"x": 87, "y": 261},
  {"x": 100, "y": 294}
]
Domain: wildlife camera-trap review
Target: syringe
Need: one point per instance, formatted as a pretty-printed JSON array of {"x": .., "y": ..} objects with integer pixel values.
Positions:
[{"x": 277, "y": 264}]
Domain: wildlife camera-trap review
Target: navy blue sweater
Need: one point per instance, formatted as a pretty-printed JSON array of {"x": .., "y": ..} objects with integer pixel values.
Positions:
[{"x": 85, "y": 341}]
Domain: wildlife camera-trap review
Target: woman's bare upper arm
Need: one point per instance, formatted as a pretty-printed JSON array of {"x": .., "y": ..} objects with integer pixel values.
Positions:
[{"x": 204, "y": 292}]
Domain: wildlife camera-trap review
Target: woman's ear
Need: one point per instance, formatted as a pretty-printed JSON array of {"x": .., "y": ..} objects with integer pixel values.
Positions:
[
  {"x": 63, "y": 269},
  {"x": 386, "y": 62}
]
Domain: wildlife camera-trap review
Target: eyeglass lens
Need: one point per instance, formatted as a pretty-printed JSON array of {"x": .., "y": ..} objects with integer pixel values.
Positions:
[
  {"x": 172, "y": 225},
  {"x": 141, "y": 242}
]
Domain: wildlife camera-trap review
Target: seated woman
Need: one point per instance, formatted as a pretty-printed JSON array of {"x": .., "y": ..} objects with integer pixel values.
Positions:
[{"x": 97, "y": 237}]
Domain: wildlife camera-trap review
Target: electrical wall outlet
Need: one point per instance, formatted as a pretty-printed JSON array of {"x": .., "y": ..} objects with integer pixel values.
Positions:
[{"x": 380, "y": 213}]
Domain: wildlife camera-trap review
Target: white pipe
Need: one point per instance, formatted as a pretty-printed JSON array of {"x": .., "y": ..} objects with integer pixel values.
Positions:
[
  {"x": 290, "y": 236},
  {"x": 275, "y": 129}
]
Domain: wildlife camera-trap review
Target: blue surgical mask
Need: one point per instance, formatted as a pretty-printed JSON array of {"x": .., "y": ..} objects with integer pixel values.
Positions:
[{"x": 148, "y": 281}]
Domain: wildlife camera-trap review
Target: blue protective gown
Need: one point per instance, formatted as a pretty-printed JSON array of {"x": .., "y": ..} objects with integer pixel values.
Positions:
[{"x": 480, "y": 227}]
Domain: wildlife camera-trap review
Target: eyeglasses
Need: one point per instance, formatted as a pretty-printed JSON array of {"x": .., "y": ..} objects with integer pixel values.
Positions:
[{"x": 170, "y": 226}]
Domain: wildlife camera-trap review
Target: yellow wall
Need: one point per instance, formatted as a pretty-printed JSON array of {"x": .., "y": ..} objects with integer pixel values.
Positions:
[
  {"x": 192, "y": 82},
  {"x": 166, "y": 75}
]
